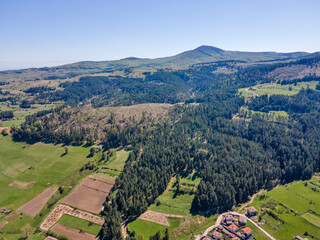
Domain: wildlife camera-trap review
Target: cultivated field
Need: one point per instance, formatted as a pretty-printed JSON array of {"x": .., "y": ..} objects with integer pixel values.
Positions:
[
  {"x": 72, "y": 233},
  {"x": 89, "y": 196},
  {"x": 292, "y": 209},
  {"x": 61, "y": 209},
  {"x": 172, "y": 211},
  {"x": 34, "y": 206},
  {"x": 80, "y": 224},
  {"x": 159, "y": 218},
  {"x": 28, "y": 170}
]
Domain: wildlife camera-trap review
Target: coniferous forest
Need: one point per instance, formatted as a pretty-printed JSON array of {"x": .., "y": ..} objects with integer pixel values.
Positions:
[{"x": 233, "y": 157}]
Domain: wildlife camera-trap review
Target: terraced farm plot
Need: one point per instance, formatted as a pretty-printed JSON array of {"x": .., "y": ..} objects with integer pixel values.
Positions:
[
  {"x": 291, "y": 208},
  {"x": 34, "y": 206},
  {"x": 72, "y": 233},
  {"x": 26, "y": 171},
  {"x": 80, "y": 224},
  {"x": 89, "y": 196}
]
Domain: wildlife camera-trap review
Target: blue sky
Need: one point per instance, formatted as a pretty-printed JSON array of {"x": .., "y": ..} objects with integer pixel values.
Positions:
[{"x": 46, "y": 33}]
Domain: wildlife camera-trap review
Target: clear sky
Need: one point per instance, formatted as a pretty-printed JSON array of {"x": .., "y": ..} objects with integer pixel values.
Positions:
[{"x": 52, "y": 32}]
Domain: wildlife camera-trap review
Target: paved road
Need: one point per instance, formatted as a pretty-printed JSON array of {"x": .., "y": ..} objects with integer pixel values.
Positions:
[{"x": 219, "y": 219}]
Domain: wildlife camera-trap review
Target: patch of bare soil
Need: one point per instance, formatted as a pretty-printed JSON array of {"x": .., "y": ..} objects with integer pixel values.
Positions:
[
  {"x": 34, "y": 206},
  {"x": 50, "y": 238},
  {"x": 157, "y": 217},
  {"x": 60, "y": 209},
  {"x": 72, "y": 233},
  {"x": 13, "y": 217},
  {"x": 89, "y": 196},
  {"x": 21, "y": 185},
  {"x": 2, "y": 224}
]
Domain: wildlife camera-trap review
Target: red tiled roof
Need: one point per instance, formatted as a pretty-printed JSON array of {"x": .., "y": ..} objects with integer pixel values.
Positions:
[
  {"x": 247, "y": 230},
  {"x": 233, "y": 227}
]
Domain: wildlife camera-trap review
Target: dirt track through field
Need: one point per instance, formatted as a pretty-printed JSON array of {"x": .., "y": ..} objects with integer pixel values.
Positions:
[
  {"x": 60, "y": 209},
  {"x": 34, "y": 206},
  {"x": 157, "y": 217},
  {"x": 89, "y": 196},
  {"x": 72, "y": 233}
]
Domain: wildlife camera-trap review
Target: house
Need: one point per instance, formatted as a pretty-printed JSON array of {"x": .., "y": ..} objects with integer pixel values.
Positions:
[
  {"x": 242, "y": 221},
  {"x": 232, "y": 228},
  {"x": 206, "y": 238},
  {"x": 216, "y": 235},
  {"x": 228, "y": 223},
  {"x": 229, "y": 217},
  {"x": 251, "y": 211},
  {"x": 247, "y": 232}
]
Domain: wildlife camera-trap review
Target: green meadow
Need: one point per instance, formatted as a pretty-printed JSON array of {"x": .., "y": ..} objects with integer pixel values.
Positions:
[
  {"x": 41, "y": 166},
  {"x": 21, "y": 113},
  {"x": 274, "y": 89},
  {"x": 79, "y": 224},
  {"x": 291, "y": 210},
  {"x": 145, "y": 229}
]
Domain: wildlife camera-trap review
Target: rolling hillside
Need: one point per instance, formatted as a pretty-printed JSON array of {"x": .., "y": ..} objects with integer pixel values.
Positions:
[{"x": 201, "y": 54}]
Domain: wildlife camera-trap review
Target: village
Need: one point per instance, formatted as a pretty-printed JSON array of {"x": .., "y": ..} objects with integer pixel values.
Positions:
[{"x": 232, "y": 226}]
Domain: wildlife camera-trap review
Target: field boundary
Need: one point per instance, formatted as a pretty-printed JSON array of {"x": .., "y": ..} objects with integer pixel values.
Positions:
[{"x": 61, "y": 209}]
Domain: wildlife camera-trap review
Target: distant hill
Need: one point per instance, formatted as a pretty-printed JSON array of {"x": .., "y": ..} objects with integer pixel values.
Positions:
[{"x": 201, "y": 54}]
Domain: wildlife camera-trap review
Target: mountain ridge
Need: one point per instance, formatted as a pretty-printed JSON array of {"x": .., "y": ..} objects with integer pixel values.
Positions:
[{"x": 201, "y": 54}]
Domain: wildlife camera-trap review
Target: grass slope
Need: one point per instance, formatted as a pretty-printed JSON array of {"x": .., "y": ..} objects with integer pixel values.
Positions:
[
  {"x": 293, "y": 209},
  {"x": 147, "y": 229},
  {"x": 80, "y": 224},
  {"x": 39, "y": 163},
  {"x": 273, "y": 89}
]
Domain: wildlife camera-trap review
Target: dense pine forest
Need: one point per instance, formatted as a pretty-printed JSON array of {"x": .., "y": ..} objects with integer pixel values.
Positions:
[{"x": 233, "y": 157}]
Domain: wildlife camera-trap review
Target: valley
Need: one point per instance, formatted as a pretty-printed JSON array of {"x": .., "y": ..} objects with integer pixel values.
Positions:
[{"x": 162, "y": 148}]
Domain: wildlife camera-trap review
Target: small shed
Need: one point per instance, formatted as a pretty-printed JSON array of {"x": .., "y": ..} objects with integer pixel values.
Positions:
[{"x": 242, "y": 221}]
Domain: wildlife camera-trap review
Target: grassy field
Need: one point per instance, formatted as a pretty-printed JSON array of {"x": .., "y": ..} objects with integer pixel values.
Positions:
[
  {"x": 147, "y": 229},
  {"x": 291, "y": 210},
  {"x": 274, "y": 116},
  {"x": 257, "y": 234},
  {"x": 176, "y": 204},
  {"x": 40, "y": 165},
  {"x": 21, "y": 113},
  {"x": 273, "y": 89},
  {"x": 115, "y": 165},
  {"x": 80, "y": 224}
]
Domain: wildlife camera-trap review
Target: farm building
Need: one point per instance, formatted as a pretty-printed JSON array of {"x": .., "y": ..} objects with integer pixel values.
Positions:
[
  {"x": 232, "y": 228},
  {"x": 251, "y": 211},
  {"x": 216, "y": 235},
  {"x": 246, "y": 232},
  {"x": 229, "y": 217},
  {"x": 242, "y": 221}
]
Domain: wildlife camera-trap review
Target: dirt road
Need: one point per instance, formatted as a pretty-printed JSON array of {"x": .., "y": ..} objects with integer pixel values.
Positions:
[{"x": 198, "y": 237}]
